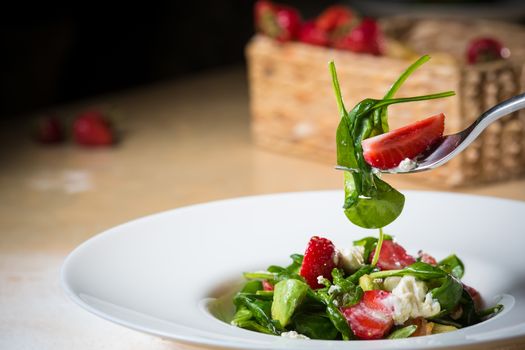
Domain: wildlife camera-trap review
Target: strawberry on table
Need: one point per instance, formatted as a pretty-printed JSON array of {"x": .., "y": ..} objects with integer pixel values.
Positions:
[
  {"x": 318, "y": 261},
  {"x": 387, "y": 150},
  {"x": 93, "y": 129},
  {"x": 49, "y": 130},
  {"x": 392, "y": 256},
  {"x": 371, "y": 318},
  {"x": 277, "y": 21}
]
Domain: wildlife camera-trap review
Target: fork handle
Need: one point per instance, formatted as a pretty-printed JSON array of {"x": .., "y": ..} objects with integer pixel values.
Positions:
[{"x": 500, "y": 110}]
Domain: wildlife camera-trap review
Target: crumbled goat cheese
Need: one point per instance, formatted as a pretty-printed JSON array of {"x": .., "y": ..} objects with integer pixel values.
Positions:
[
  {"x": 406, "y": 164},
  {"x": 351, "y": 259},
  {"x": 321, "y": 279},
  {"x": 409, "y": 299},
  {"x": 333, "y": 289},
  {"x": 293, "y": 335}
]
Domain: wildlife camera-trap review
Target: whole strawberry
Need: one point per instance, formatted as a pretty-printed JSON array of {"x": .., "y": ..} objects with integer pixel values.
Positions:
[
  {"x": 93, "y": 129},
  {"x": 366, "y": 37},
  {"x": 280, "y": 22},
  {"x": 311, "y": 34},
  {"x": 334, "y": 18},
  {"x": 482, "y": 50},
  {"x": 49, "y": 130},
  {"x": 318, "y": 261}
]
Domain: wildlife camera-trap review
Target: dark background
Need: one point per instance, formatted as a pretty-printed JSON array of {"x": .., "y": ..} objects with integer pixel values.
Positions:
[
  {"x": 55, "y": 54},
  {"x": 52, "y": 54}
]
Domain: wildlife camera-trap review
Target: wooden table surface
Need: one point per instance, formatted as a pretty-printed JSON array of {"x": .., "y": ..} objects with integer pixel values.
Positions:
[{"x": 182, "y": 143}]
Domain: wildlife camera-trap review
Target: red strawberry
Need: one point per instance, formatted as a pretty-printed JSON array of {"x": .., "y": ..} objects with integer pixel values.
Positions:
[
  {"x": 474, "y": 294},
  {"x": 277, "y": 21},
  {"x": 49, "y": 130},
  {"x": 365, "y": 37},
  {"x": 334, "y": 17},
  {"x": 371, "y": 318},
  {"x": 318, "y": 261},
  {"x": 427, "y": 258},
  {"x": 485, "y": 50},
  {"x": 310, "y": 34},
  {"x": 386, "y": 151},
  {"x": 392, "y": 256},
  {"x": 92, "y": 129},
  {"x": 267, "y": 285}
]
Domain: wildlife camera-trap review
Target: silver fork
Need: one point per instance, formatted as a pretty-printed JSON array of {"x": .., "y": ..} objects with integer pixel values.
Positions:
[{"x": 451, "y": 145}]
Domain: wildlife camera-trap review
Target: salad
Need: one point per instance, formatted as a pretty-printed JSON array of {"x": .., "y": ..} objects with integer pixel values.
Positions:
[
  {"x": 371, "y": 290},
  {"x": 374, "y": 289}
]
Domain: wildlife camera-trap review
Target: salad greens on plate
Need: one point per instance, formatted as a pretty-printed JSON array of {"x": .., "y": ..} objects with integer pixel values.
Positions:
[{"x": 373, "y": 289}]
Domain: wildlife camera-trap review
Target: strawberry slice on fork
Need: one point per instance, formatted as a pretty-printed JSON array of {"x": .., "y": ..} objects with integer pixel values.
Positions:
[{"x": 386, "y": 151}]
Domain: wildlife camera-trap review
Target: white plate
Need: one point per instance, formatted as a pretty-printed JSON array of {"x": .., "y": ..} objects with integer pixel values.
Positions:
[{"x": 161, "y": 274}]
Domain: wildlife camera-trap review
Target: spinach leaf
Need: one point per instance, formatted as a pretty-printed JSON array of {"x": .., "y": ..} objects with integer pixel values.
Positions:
[
  {"x": 287, "y": 296},
  {"x": 278, "y": 273},
  {"x": 315, "y": 326},
  {"x": 253, "y": 326},
  {"x": 260, "y": 275},
  {"x": 297, "y": 261},
  {"x": 252, "y": 287},
  {"x": 469, "y": 314},
  {"x": 335, "y": 316},
  {"x": 369, "y": 201},
  {"x": 449, "y": 293},
  {"x": 420, "y": 270},
  {"x": 369, "y": 243},
  {"x": 490, "y": 312},
  {"x": 260, "y": 310},
  {"x": 344, "y": 292},
  {"x": 375, "y": 209},
  {"x": 404, "y": 332},
  {"x": 242, "y": 315},
  {"x": 453, "y": 265},
  {"x": 365, "y": 270}
]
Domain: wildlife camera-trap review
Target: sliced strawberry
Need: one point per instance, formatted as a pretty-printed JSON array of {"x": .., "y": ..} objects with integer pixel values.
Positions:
[
  {"x": 392, "y": 256},
  {"x": 310, "y": 34},
  {"x": 371, "y": 318},
  {"x": 267, "y": 285},
  {"x": 476, "y": 297},
  {"x": 318, "y": 261},
  {"x": 49, "y": 130},
  {"x": 387, "y": 150},
  {"x": 427, "y": 258}
]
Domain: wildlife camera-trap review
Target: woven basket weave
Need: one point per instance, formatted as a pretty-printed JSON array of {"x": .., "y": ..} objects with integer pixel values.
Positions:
[{"x": 294, "y": 110}]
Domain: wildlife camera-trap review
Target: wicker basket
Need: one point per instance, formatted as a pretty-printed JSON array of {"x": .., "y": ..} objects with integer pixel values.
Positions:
[{"x": 294, "y": 110}]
